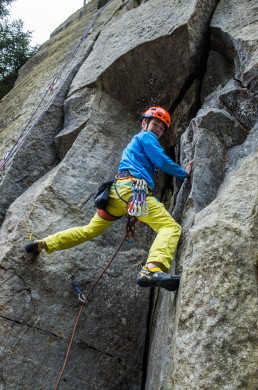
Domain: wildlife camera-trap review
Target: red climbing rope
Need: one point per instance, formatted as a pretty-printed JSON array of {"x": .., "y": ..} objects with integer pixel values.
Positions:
[{"x": 129, "y": 229}]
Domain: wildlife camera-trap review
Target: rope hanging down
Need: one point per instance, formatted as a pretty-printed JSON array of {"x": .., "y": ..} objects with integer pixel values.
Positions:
[
  {"x": 22, "y": 137},
  {"x": 129, "y": 229}
]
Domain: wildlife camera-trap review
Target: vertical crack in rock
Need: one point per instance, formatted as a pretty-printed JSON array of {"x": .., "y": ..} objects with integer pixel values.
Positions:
[
  {"x": 183, "y": 91},
  {"x": 213, "y": 242},
  {"x": 171, "y": 186},
  {"x": 174, "y": 152},
  {"x": 149, "y": 324}
]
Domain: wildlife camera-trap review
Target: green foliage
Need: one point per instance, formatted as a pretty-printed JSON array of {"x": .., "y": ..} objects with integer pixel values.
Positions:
[
  {"x": 15, "y": 49},
  {"x": 3, "y": 7}
]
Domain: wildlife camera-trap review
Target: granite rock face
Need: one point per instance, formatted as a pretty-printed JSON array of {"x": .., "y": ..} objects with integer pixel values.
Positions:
[
  {"x": 199, "y": 60},
  {"x": 210, "y": 332},
  {"x": 233, "y": 33},
  {"x": 207, "y": 336}
]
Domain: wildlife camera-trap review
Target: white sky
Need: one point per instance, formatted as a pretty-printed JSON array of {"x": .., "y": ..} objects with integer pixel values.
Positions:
[{"x": 42, "y": 17}]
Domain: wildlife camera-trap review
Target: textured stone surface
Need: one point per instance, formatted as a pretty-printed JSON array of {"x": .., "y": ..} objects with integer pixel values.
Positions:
[
  {"x": 213, "y": 328},
  {"x": 219, "y": 328},
  {"x": 236, "y": 154},
  {"x": 38, "y": 154},
  {"x": 243, "y": 104},
  {"x": 76, "y": 109},
  {"x": 148, "y": 32},
  {"x": 146, "y": 47},
  {"x": 112, "y": 329},
  {"x": 212, "y": 331},
  {"x": 234, "y": 33},
  {"x": 213, "y": 132},
  {"x": 139, "y": 53},
  {"x": 219, "y": 72},
  {"x": 184, "y": 112}
]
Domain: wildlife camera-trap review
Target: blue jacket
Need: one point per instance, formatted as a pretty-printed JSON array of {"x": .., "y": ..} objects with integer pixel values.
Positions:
[{"x": 143, "y": 154}]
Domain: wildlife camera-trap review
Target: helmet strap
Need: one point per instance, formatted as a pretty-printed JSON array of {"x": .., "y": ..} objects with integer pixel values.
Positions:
[{"x": 147, "y": 124}]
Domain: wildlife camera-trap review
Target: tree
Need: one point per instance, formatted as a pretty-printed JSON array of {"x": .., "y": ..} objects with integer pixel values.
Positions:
[
  {"x": 3, "y": 7},
  {"x": 15, "y": 49}
]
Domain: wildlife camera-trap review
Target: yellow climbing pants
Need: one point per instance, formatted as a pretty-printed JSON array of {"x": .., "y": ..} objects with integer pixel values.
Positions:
[{"x": 167, "y": 229}]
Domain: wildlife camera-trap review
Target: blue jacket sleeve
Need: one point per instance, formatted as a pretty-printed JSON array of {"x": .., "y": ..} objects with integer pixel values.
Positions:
[{"x": 158, "y": 157}]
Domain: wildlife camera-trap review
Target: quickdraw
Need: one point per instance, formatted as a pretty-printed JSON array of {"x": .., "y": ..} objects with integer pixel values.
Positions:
[
  {"x": 81, "y": 297},
  {"x": 138, "y": 206},
  {"x": 4, "y": 161}
]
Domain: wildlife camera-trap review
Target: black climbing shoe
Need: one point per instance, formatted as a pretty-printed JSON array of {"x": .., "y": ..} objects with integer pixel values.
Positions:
[
  {"x": 32, "y": 247},
  {"x": 156, "y": 278}
]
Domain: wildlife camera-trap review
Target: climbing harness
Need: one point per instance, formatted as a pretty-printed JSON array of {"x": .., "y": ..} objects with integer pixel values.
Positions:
[
  {"x": 22, "y": 137},
  {"x": 83, "y": 298},
  {"x": 107, "y": 216},
  {"x": 137, "y": 205}
]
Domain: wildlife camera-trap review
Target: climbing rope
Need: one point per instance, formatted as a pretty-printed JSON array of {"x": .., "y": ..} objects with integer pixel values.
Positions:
[
  {"x": 129, "y": 228},
  {"x": 22, "y": 137}
]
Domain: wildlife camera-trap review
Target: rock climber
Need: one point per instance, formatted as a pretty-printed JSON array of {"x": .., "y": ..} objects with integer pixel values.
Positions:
[{"x": 138, "y": 164}]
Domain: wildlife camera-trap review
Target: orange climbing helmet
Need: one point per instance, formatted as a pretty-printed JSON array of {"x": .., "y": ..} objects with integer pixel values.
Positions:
[{"x": 159, "y": 113}]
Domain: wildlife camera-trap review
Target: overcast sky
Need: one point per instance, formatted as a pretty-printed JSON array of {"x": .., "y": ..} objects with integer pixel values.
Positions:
[{"x": 42, "y": 17}]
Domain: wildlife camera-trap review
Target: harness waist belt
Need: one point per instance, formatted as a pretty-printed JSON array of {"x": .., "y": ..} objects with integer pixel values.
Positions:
[{"x": 124, "y": 174}]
